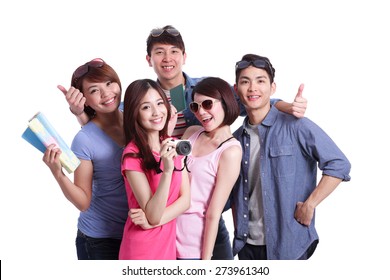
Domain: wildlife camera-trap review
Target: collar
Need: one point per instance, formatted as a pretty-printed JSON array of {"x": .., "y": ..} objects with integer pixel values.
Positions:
[{"x": 269, "y": 120}]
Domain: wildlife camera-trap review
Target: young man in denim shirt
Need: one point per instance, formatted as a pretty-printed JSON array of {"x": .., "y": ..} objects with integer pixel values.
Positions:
[{"x": 275, "y": 196}]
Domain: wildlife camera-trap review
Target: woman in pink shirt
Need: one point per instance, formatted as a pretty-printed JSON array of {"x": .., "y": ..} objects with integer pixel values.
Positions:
[
  {"x": 156, "y": 183},
  {"x": 214, "y": 166}
]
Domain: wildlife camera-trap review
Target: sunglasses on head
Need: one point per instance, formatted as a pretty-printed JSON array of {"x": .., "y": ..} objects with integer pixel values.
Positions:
[
  {"x": 84, "y": 69},
  {"x": 205, "y": 104},
  {"x": 258, "y": 63},
  {"x": 159, "y": 31}
]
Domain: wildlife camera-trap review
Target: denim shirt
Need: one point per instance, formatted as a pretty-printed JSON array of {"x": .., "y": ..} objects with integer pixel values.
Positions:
[
  {"x": 188, "y": 115},
  {"x": 291, "y": 150}
]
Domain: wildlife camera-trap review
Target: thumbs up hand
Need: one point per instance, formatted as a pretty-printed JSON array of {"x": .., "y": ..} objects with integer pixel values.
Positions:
[
  {"x": 300, "y": 103},
  {"x": 75, "y": 99}
]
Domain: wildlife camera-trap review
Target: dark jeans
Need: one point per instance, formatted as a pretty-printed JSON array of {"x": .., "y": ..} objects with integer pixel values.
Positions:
[
  {"x": 252, "y": 252},
  {"x": 222, "y": 248},
  {"x": 89, "y": 248}
]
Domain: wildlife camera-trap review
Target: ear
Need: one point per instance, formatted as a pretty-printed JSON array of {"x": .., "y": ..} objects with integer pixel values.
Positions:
[
  {"x": 149, "y": 59},
  {"x": 273, "y": 88},
  {"x": 184, "y": 58}
]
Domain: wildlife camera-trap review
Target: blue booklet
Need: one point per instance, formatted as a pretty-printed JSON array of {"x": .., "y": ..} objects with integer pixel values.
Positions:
[{"x": 40, "y": 133}]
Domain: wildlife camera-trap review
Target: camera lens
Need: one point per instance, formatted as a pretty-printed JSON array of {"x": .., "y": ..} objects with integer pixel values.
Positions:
[{"x": 183, "y": 148}]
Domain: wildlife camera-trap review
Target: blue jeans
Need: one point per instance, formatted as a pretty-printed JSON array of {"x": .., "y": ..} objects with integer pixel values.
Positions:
[
  {"x": 89, "y": 248},
  {"x": 222, "y": 248}
]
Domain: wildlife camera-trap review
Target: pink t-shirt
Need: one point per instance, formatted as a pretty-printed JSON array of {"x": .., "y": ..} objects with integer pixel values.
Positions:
[
  {"x": 190, "y": 224},
  {"x": 157, "y": 243}
]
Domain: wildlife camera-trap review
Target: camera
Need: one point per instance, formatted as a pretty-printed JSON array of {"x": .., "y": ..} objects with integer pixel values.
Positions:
[{"x": 183, "y": 147}]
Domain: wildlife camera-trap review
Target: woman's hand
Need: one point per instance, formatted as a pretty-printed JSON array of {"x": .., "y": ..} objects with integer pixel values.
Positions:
[
  {"x": 75, "y": 99},
  {"x": 138, "y": 217},
  {"x": 167, "y": 154},
  {"x": 52, "y": 159}
]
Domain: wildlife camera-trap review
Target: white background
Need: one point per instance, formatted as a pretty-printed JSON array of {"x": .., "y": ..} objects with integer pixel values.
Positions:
[{"x": 339, "y": 49}]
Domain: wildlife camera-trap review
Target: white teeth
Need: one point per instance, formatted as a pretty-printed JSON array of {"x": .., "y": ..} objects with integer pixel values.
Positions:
[
  {"x": 109, "y": 101},
  {"x": 157, "y": 120}
]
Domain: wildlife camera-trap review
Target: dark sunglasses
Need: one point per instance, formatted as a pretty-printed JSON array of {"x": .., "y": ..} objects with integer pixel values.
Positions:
[
  {"x": 258, "y": 63},
  {"x": 205, "y": 104},
  {"x": 158, "y": 31},
  {"x": 84, "y": 69}
]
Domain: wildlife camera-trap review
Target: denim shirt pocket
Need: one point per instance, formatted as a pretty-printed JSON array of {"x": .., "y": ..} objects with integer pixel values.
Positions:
[{"x": 282, "y": 161}]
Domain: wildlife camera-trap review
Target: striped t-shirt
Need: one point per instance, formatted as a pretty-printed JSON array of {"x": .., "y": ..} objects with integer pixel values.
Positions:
[{"x": 181, "y": 124}]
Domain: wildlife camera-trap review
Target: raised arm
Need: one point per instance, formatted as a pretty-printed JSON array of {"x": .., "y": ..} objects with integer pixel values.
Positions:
[
  {"x": 171, "y": 212},
  {"x": 297, "y": 108},
  {"x": 154, "y": 204}
]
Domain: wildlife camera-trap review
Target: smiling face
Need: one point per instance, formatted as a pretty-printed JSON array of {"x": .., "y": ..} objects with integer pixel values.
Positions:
[
  {"x": 167, "y": 61},
  {"x": 254, "y": 88},
  {"x": 210, "y": 118},
  {"x": 103, "y": 97},
  {"x": 152, "y": 111}
]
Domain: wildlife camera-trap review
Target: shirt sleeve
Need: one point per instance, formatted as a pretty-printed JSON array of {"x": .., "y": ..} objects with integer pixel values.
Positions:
[
  {"x": 129, "y": 162},
  {"x": 319, "y": 146},
  {"x": 274, "y": 101},
  {"x": 81, "y": 146}
]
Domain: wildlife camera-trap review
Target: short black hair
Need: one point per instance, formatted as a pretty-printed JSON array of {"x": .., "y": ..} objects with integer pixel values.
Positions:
[
  {"x": 253, "y": 57},
  {"x": 165, "y": 38}
]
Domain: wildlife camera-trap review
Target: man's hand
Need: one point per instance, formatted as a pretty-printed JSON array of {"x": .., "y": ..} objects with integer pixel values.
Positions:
[
  {"x": 304, "y": 213},
  {"x": 300, "y": 104}
]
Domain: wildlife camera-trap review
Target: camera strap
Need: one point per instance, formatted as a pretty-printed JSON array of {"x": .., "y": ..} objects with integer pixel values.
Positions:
[{"x": 158, "y": 169}]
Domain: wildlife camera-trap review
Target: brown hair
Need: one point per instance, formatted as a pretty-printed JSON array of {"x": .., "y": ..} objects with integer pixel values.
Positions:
[
  {"x": 96, "y": 74},
  {"x": 219, "y": 89},
  {"x": 135, "y": 92}
]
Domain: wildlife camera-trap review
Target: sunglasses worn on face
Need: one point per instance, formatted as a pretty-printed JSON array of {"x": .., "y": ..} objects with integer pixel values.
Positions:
[
  {"x": 84, "y": 69},
  {"x": 159, "y": 31},
  {"x": 258, "y": 63},
  {"x": 205, "y": 104}
]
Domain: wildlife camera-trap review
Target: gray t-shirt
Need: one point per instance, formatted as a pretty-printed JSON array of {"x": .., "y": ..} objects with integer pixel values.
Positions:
[{"x": 256, "y": 213}]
